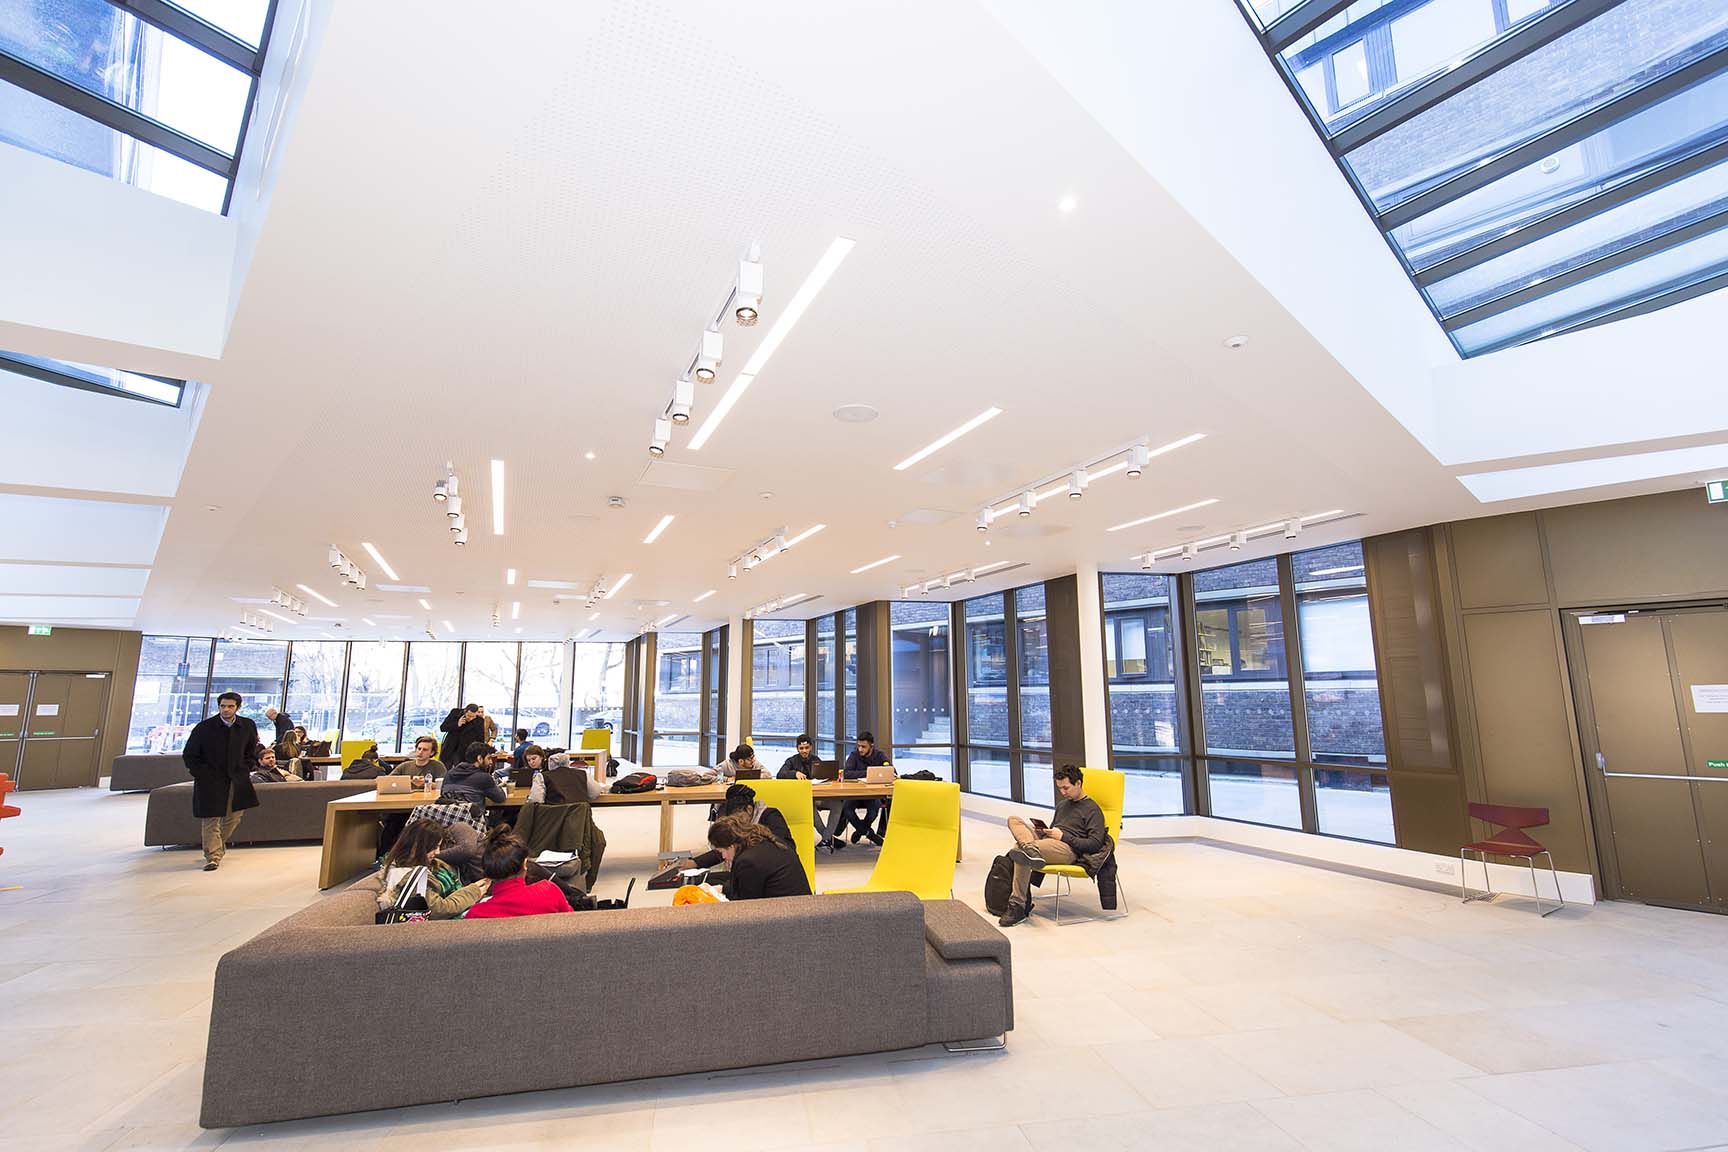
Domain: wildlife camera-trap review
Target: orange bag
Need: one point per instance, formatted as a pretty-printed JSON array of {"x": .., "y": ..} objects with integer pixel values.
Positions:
[{"x": 693, "y": 894}]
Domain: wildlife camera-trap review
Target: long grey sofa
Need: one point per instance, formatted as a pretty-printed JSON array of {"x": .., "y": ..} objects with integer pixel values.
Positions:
[
  {"x": 146, "y": 773},
  {"x": 284, "y": 812},
  {"x": 329, "y": 1002}
]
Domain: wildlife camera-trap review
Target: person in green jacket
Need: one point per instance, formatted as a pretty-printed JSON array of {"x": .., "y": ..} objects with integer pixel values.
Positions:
[{"x": 446, "y": 896}]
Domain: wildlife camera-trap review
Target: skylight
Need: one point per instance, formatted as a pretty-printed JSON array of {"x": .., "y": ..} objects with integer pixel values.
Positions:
[
  {"x": 1539, "y": 166},
  {"x": 145, "y": 91},
  {"x": 88, "y": 378}
]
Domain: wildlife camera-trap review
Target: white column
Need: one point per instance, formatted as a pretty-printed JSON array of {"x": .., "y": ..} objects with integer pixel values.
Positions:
[
  {"x": 737, "y": 660},
  {"x": 1094, "y": 703}
]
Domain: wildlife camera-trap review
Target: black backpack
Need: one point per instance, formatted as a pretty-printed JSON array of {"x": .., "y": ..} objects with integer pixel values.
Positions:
[
  {"x": 636, "y": 782},
  {"x": 999, "y": 886}
]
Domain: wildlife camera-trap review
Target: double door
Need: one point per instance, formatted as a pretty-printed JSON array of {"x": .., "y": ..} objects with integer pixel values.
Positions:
[
  {"x": 51, "y": 727},
  {"x": 1653, "y": 719}
]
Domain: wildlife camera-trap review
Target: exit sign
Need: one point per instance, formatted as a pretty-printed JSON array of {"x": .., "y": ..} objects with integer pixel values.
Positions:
[
  {"x": 41, "y": 630},
  {"x": 1716, "y": 491},
  {"x": 1716, "y": 765}
]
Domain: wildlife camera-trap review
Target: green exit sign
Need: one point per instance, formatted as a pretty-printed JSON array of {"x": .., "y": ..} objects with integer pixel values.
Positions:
[
  {"x": 1717, "y": 765},
  {"x": 1716, "y": 491},
  {"x": 41, "y": 630}
]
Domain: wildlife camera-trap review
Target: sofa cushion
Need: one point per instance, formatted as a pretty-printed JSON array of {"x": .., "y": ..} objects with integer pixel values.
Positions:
[
  {"x": 145, "y": 773},
  {"x": 284, "y": 812},
  {"x": 968, "y": 999},
  {"x": 957, "y": 932}
]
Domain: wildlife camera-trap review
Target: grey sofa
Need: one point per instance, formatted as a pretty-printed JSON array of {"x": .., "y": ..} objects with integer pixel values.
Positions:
[
  {"x": 284, "y": 812},
  {"x": 330, "y": 1002},
  {"x": 146, "y": 773}
]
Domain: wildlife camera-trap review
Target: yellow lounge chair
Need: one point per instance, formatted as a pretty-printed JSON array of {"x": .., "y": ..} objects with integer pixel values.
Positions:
[
  {"x": 795, "y": 802},
  {"x": 1109, "y": 788},
  {"x": 923, "y": 839}
]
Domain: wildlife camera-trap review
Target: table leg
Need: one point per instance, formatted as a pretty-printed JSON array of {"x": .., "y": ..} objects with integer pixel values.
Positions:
[
  {"x": 350, "y": 845},
  {"x": 665, "y": 826},
  {"x": 959, "y": 838}
]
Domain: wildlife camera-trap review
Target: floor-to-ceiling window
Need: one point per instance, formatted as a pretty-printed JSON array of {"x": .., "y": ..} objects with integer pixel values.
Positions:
[
  {"x": 849, "y": 679},
  {"x": 776, "y": 684},
  {"x": 253, "y": 668},
  {"x": 827, "y": 685},
  {"x": 315, "y": 686},
  {"x": 540, "y": 697},
  {"x": 1140, "y": 675},
  {"x": 678, "y": 700},
  {"x": 1032, "y": 663},
  {"x": 434, "y": 678},
  {"x": 375, "y": 693},
  {"x": 489, "y": 680},
  {"x": 714, "y": 732},
  {"x": 923, "y": 735},
  {"x": 989, "y": 731},
  {"x": 1341, "y": 694},
  {"x": 597, "y": 690},
  {"x": 168, "y": 698}
]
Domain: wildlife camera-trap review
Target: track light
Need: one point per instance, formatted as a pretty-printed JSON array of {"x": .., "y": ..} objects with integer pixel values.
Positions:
[
  {"x": 1026, "y": 502},
  {"x": 747, "y": 303},
  {"x": 1146, "y": 562},
  {"x": 458, "y": 523},
  {"x": 731, "y": 571},
  {"x": 984, "y": 518},
  {"x": 779, "y": 544},
  {"x": 335, "y": 558},
  {"x": 1190, "y": 552},
  {"x": 683, "y": 399},
  {"x": 708, "y": 355},
  {"x": 1237, "y": 540},
  {"x": 360, "y": 579},
  {"x": 662, "y": 434},
  {"x": 1137, "y": 462},
  {"x": 453, "y": 506},
  {"x": 441, "y": 490},
  {"x": 1077, "y": 484},
  {"x": 461, "y": 537},
  {"x": 1292, "y": 528}
]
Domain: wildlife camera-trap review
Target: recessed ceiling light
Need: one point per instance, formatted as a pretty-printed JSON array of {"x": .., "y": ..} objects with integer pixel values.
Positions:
[
  {"x": 1067, "y": 204},
  {"x": 855, "y": 413},
  {"x": 876, "y": 564},
  {"x": 943, "y": 441},
  {"x": 1235, "y": 343},
  {"x": 622, "y": 580},
  {"x": 425, "y": 605},
  {"x": 518, "y": 631},
  {"x": 509, "y": 575},
  {"x": 1163, "y": 515},
  {"x": 382, "y": 563},
  {"x": 704, "y": 596},
  {"x": 448, "y": 627},
  {"x": 316, "y": 595},
  {"x": 587, "y": 455},
  {"x": 497, "y": 497},
  {"x": 795, "y": 308},
  {"x": 654, "y": 534}
]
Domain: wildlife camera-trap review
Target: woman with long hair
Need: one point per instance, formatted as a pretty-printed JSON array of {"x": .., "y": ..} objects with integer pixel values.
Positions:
[
  {"x": 418, "y": 846},
  {"x": 759, "y": 865}
]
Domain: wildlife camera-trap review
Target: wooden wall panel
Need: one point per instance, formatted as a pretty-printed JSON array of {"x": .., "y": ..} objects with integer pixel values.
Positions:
[
  {"x": 1499, "y": 561},
  {"x": 1671, "y": 546},
  {"x": 83, "y": 650}
]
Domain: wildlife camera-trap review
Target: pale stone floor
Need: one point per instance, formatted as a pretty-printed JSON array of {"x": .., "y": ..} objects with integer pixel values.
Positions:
[{"x": 1246, "y": 1003}]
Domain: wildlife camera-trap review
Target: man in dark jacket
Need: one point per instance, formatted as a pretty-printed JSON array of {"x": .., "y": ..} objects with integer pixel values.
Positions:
[
  {"x": 464, "y": 726},
  {"x": 1077, "y": 829},
  {"x": 802, "y": 765},
  {"x": 221, "y": 753},
  {"x": 472, "y": 780}
]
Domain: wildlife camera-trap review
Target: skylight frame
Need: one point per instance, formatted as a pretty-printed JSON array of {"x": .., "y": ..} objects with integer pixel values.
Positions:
[{"x": 68, "y": 375}]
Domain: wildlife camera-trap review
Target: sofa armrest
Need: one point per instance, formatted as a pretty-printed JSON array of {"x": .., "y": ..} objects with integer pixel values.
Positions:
[{"x": 959, "y": 933}]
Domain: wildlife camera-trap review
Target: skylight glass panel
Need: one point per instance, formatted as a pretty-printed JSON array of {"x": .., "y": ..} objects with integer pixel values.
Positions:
[
  {"x": 241, "y": 19},
  {"x": 1537, "y": 165},
  {"x": 91, "y": 378}
]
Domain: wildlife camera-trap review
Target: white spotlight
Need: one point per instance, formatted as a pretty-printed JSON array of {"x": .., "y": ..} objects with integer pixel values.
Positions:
[
  {"x": 662, "y": 434},
  {"x": 1026, "y": 502},
  {"x": 1190, "y": 551},
  {"x": 1137, "y": 462},
  {"x": 708, "y": 355},
  {"x": 683, "y": 399},
  {"x": 441, "y": 490},
  {"x": 1146, "y": 562},
  {"x": 458, "y": 523},
  {"x": 335, "y": 558},
  {"x": 1237, "y": 540},
  {"x": 453, "y": 506},
  {"x": 461, "y": 537},
  {"x": 1077, "y": 484},
  {"x": 1292, "y": 528},
  {"x": 984, "y": 517},
  {"x": 731, "y": 571},
  {"x": 747, "y": 305},
  {"x": 360, "y": 579}
]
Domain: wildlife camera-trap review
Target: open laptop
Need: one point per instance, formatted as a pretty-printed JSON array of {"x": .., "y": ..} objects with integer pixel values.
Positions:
[
  {"x": 394, "y": 785},
  {"x": 828, "y": 770},
  {"x": 747, "y": 774},
  {"x": 879, "y": 774}
]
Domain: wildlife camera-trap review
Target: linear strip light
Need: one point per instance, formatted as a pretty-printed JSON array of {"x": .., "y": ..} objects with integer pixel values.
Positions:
[
  {"x": 805, "y": 535},
  {"x": 1162, "y": 515},
  {"x": 515, "y": 609},
  {"x": 277, "y": 616},
  {"x": 1246, "y": 533},
  {"x": 1074, "y": 480},
  {"x": 876, "y": 563},
  {"x": 942, "y": 442},
  {"x": 497, "y": 497},
  {"x": 654, "y": 534},
  {"x": 316, "y": 595},
  {"x": 425, "y": 605},
  {"x": 593, "y": 616},
  {"x": 622, "y": 580},
  {"x": 368, "y": 621},
  {"x": 448, "y": 627},
  {"x": 704, "y": 596},
  {"x": 958, "y": 576},
  {"x": 381, "y": 562},
  {"x": 667, "y": 619},
  {"x": 510, "y": 576},
  {"x": 805, "y": 296}
]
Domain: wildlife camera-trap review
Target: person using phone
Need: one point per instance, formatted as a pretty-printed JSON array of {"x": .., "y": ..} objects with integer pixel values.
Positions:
[
  {"x": 464, "y": 726},
  {"x": 1077, "y": 829}
]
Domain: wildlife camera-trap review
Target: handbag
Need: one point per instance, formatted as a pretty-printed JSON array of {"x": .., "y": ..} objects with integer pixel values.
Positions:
[
  {"x": 449, "y": 813},
  {"x": 410, "y": 903}
]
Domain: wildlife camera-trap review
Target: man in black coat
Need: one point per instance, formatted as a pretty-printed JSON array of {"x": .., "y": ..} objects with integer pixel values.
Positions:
[
  {"x": 221, "y": 753},
  {"x": 464, "y": 726}
]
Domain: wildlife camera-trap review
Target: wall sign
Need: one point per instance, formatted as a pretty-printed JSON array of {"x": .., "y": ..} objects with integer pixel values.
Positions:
[
  {"x": 8, "y": 709},
  {"x": 1710, "y": 697},
  {"x": 47, "y": 709}
]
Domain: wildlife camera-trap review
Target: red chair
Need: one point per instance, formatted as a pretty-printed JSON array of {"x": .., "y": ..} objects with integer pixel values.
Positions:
[{"x": 1509, "y": 840}]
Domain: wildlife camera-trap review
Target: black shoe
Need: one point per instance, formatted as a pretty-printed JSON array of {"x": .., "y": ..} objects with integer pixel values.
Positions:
[
  {"x": 874, "y": 839},
  {"x": 211, "y": 865},
  {"x": 1027, "y": 857},
  {"x": 1015, "y": 914},
  {"x": 857, "y": 835},
  {"x": 836, "y": 844}
]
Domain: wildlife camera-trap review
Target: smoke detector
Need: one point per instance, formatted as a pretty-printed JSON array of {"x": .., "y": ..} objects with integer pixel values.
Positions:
[{"x": 616, "y": 503}]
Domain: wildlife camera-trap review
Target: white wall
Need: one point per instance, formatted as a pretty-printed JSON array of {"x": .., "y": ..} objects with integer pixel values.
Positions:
[{"x": 89, "y": 441}]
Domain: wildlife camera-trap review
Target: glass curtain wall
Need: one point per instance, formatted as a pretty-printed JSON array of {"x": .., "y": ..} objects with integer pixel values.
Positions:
[
  {"x": 375, "y": 694},
  {"x": 1140, "y": 650},
  {"x": 597, "y": 690},
  {"x": 433, "y": 688},
  {"x": 827, "y": 685},
  {"x": 923, "y": 733},
  {"x": 714, "y": 730},
  {"x": 540, "y": 697},
  {"x": 678, "y": 700},
  {"x": 169, "y": 696},
  {"x": 989, "y": 733},
  {"x": 489, "y": 680},
  {"x": 1032, "y": 660},
  {"x": 315, "y": 687},
  {"x": 253, "y": 668},
  {"x": 849, "y": 674},
  {"x": 776, "y": 684}
]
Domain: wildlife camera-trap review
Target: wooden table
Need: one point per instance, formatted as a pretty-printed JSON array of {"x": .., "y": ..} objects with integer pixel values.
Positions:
[{"x": 351, "y": 823}]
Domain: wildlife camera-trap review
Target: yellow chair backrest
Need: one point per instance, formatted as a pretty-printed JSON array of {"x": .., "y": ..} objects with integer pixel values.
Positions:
[
  {"x": 1110, "y": 789},
  {"x": 795, "y": 802},
  {"x": 351, "y": 750},
  {"x": 597, "y": 738},
  {"x": 922, "y": 839}
]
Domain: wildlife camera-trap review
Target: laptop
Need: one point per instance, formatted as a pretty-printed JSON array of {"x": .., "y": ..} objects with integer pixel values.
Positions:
[
  {"x": 880, "y": 774},
  {"x": 828, "y": 770},
  {"x": 394, "y": 785},
  {"x": 521, "y": 777},
  {"x": 748, "y": 774}
]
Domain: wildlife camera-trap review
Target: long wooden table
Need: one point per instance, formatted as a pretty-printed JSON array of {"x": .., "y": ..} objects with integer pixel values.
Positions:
[
  {"x": 351, "y": 823},
  {"x": 595, "y": 758}
]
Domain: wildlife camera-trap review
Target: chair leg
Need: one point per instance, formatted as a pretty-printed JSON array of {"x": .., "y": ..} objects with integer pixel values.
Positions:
[
  {"x": 1464, "y": 892},
  {"x": 987, "y": 1044},
  {"x": 1553, "y": 875}
]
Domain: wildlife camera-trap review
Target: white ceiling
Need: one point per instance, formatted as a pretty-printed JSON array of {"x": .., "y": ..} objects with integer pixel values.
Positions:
[{"x": 484, "y": 244}]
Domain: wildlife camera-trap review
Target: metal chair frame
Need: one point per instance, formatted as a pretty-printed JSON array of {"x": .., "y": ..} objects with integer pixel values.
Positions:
[
  {"x": 1488, "y": 892},
  {"x": 1065, "y": 887}
]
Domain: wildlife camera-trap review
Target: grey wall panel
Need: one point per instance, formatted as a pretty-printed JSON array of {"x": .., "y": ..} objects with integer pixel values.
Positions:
[
  {"x": 1499, "y": 561},
  {"x": 1671, "y": 546}
]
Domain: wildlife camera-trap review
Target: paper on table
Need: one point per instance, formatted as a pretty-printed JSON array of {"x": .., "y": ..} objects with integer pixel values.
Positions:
[{"x": 551, "y": 859}]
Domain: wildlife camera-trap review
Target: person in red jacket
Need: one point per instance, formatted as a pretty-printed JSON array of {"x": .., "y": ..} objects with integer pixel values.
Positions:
[{"x": 504, "y": 860}]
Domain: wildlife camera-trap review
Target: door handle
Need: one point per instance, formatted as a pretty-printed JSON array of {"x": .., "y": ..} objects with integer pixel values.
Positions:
[{"x": 1601, "y": 762}]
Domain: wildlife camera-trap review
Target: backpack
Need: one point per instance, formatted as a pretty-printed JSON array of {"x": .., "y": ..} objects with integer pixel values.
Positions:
[
  {"x": 999, "y": 886},
  {"x": 921, "y": 774},
  {"x": 410, "y": 902},
  {"x": 636, "y": 782},
  {"x": 688, "y": 777}
]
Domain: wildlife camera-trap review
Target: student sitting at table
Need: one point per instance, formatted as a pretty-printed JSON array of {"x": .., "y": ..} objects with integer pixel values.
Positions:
[
  {"x": 365, "y": 766},
  {"x": 759, "y": 865},
  {"x": 472, "y": 780},
  {"x": 741, "y": 801},
  {"x": 419, "y": 846},
  {"x": 865, "y": 815},
  {"x": 425, "y": 761},
  {"x": 504, "y": 860}
]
